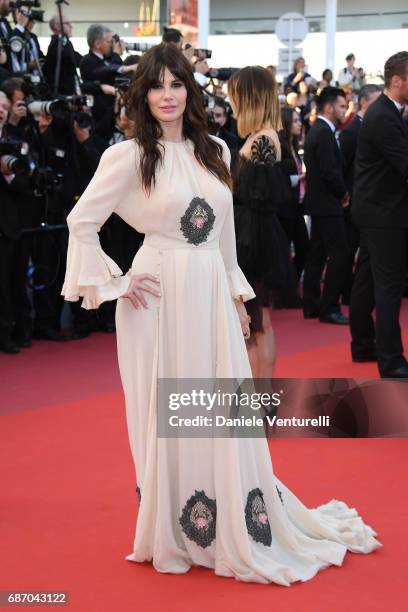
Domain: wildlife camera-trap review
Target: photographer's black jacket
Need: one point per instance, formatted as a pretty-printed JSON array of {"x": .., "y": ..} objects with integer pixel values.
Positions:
[
  {"x": 93, "y": 68},
  {"x": 16, "y": 206},
  {"x": 70, "y": 60}
]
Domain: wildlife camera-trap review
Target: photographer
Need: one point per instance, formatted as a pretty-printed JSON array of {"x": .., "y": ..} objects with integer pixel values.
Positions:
[
  {"x": 15, "y": 246},
  {"x": 68, "y": 82},
  {"x": 103, "y": 64},
  {"x": 4, "y": 73},
  {"x": 298, "y": 75},
  {"x": 6, "y": 32},
  {"x": 18, "y": 124},
  {"x": 350, "y": 75},
  {"x": 69, "y": 156},
  {"x": 36, "y": 56},
  {"x": 201, "y": 72},
  {"x": 220, "y": 118},
  {"x": 27, "y": 59}
]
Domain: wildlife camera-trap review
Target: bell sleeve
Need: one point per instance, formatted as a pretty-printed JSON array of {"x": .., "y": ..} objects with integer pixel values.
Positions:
[
  {"x": 90, "y": 272},
  {"x": 238, "y": 284}
]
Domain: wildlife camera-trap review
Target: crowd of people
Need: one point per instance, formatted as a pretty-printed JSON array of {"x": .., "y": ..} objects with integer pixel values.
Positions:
[{"x": 60, "y": 111}]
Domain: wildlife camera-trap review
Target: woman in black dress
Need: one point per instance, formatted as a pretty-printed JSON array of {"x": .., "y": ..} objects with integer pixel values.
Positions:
[{"x": 260, "y": 187}]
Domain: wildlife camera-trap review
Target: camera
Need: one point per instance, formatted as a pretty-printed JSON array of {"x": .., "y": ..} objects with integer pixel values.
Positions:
[
  {"x": 122, "y": 84},
  {"x": 202, "y": 53},
  {"x": 142, "y": 47},
  {"x": 60, "y": 106},
  {"x": 37, "y": 16},
  {"x": 222, "y": 74},
  {"x": 20, "y": 3},
  {"x": 15, "y": 154}
]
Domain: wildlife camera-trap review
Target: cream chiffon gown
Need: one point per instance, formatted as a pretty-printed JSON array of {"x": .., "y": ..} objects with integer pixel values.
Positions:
[{"x": 202, "y": 501}]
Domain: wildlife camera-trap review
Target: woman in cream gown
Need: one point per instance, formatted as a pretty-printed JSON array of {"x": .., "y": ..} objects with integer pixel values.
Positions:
[{"x": 202, "y": 501}]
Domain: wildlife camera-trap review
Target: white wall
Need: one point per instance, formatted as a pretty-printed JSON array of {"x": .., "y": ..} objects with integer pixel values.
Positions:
[
  {"x": 351, "y": 7},
  {"x": 234, "y": 9},
  {"x": 96, "y": 10}
]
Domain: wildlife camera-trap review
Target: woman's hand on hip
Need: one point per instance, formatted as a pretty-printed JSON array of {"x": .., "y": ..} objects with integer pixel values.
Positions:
[{"x": 136, "y": 288}]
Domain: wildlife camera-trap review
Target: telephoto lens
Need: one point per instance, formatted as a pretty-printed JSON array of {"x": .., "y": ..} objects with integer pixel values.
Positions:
[{"x": 16, "y": 165}]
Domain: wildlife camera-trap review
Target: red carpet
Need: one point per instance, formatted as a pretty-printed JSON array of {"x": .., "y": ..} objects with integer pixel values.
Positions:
[{"x": 69, "y": 504}]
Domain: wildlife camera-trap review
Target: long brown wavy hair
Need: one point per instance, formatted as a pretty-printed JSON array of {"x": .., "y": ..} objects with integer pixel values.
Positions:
[{"x": 147, "y": 130}]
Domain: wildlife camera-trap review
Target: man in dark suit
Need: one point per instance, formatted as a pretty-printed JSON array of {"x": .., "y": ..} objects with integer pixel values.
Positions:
[
  {"x": 326, "y": 196},
  {"x": 348, "y": 145},
  {"x": 68, "y": 83},
  {"x": 380, "y": 210},
  {"x": 103, "y": 64}
]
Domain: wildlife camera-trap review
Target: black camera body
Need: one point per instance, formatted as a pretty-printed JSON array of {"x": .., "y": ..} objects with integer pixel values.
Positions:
[
  {"x": 17, "y": 4},
  {"x": 122, "y": 84},
  {"x": 37, "y": 16},
  {"x": 15, "y": 153}
]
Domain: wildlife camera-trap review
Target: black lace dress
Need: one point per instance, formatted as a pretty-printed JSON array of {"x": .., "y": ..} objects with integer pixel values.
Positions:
[{"x": 260, "y": 187}]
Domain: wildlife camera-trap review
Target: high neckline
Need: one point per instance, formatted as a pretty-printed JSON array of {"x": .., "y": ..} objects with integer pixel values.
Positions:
[{"x": 177, "y": 142}]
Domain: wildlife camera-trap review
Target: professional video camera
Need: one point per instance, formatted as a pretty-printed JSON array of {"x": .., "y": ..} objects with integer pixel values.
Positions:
[{"x": 15, "y": 154}]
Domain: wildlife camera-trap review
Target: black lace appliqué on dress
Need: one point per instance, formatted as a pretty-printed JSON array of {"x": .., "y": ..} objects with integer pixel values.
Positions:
[
  {"x": 279, "y": 493},
  {"x": 263, "y": 151},
  {"x": 198, "y": 221},
  {"x": 198, "y": 519},
  {"x": 139, "y": 494},
  {"x": 256, "y": 518}
]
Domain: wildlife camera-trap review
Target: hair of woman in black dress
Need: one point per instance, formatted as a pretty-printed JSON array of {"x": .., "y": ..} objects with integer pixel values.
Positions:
[
  {"x": 253, "y": 94},
  {"x": 148, "y": 131}
]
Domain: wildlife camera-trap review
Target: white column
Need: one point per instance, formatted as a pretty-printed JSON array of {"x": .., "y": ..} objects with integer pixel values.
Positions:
[
  {"x": 203, "y": 23},
  {"x": 331, "y": 14}
]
